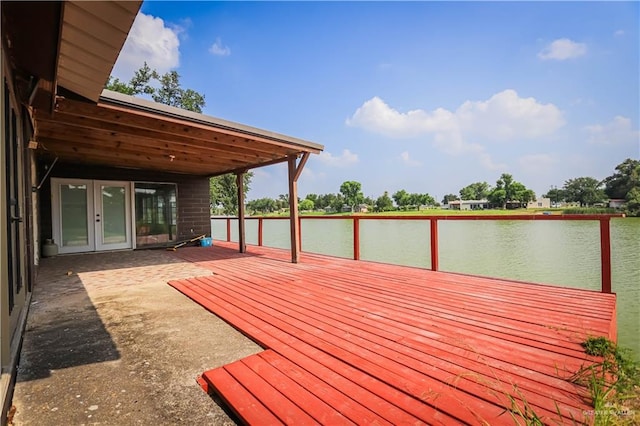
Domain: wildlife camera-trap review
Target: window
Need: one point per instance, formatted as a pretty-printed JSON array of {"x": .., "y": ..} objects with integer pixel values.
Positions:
[{"x": 156, "y": 213}]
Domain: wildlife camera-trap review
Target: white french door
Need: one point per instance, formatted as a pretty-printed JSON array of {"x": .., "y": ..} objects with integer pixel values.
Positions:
[{"x": 91, "y": 215}]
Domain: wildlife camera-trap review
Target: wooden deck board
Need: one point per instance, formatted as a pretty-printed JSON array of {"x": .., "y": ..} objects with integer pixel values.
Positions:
[
  {"x": 432, "y": 352},
  {"x": 392, "y": 365},
  {"x": 382, "y": 400},
  {"x": 398, "y": 344}
]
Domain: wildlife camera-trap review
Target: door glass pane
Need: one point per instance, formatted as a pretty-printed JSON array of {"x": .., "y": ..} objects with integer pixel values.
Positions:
[
  {"x": 73, "y": 202},
  {"x": 114, "y": 226},
  {"x": 155, "y": 213}
]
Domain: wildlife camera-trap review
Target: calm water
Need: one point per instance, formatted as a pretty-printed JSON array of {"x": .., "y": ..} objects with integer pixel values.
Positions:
[{"x": 563, "y": 253}]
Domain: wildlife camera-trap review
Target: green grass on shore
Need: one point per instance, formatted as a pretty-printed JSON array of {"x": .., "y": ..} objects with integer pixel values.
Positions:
[
  {"x": 429, "y": 212},
  {"x": 448, "y": 212}
]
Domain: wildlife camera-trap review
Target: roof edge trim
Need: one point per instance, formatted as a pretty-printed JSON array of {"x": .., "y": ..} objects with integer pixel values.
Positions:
[{"x": 121, "y": 99}]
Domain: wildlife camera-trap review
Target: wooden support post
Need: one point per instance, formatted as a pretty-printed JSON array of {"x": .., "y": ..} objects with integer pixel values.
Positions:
[
  {"x": 356, "y": 238},
  {"x": 605, "y": 254},
  {"x": 293, "y": 210},
  {"x": 434, "y": 244},
  {"x": 228, "y": 229},
  {"x": 294, "y": 219},
  {"x": 299, "y": 233},
  {"x": 242, "y": 245},
  {"x": 260, "y": 225}
]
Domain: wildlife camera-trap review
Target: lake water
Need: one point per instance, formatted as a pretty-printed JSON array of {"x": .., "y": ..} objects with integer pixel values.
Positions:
[{"x": 565, "y": 253}]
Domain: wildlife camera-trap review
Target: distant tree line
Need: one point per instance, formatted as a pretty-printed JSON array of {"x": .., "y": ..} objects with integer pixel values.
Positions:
[
  {"x": 623, "y": 184},
  {"x": 507, "y": 193}
]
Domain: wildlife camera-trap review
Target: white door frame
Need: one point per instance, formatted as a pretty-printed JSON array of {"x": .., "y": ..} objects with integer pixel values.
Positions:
[
  {"x": 94, "y": 203},
  {"x": 99, "y": 215},
  {"x": 57, "y": 216}
]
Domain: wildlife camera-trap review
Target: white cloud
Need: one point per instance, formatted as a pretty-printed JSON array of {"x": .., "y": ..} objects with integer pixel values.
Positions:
[
  {"x": 219, "y": 49},
  {"x": 309, "y": 174},
  {"x": 345, "y": 159},
  {"x": 618, "y": 131},
  {"x": 487, "y": 162},
  {"x": 562, "y": 49},
  {"x": 377, "y": 116},
  {"x": 619, "y": 33},
  {"x": 536, "y": 163},
  {"x": 152, "y": 41},
  {"x": 408, "y": 161},
  {"x": 504, "y": 117}
]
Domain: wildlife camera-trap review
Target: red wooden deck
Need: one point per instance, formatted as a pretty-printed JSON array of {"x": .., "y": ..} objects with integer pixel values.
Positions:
[{"x": 361, "y": 342}]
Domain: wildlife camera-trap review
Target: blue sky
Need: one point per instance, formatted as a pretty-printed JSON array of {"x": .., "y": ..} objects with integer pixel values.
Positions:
[{"x": 422, "y": 96}]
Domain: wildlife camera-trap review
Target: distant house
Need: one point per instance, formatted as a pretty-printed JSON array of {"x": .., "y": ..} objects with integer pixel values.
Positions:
[
  {"x": 362, "y": 208},
  {"x": 467, "y": 205},
  {"x": 540, "y": 203},
  {"x": 617, "y": 203}
]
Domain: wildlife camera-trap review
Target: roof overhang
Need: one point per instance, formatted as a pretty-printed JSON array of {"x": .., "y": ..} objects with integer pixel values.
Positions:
[
  {"x": 93, "y": 33},
  {"x": 69, "y": 49},
  {"x": 71, "y": 45},
  {"x": 124, "y": 131}
]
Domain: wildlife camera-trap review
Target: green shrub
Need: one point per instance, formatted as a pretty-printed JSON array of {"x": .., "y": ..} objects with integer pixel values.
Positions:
[{"x": 589, "y": 210}]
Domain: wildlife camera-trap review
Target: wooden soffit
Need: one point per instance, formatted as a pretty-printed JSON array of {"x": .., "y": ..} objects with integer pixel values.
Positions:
[
  {"x": 93, "y": 33},
  {"x": 122, "y": 131}
]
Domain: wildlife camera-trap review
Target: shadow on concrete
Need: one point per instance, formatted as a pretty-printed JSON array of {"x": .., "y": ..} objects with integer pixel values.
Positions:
[
  {"x": 78, "y": 339},
  {"x": 63, "y": 330}
]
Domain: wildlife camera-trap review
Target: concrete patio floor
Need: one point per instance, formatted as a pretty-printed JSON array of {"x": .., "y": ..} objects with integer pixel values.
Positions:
[{"x": 109, "y": 342}]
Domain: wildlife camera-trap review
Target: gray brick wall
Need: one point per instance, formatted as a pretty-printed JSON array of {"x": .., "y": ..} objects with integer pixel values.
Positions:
[{"x": 193, "y": 208}]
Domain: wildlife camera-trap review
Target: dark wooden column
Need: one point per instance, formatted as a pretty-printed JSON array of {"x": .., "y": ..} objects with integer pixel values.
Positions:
[
  {"x": 294, "y": 174},
  {"x": 242, "y": 245}
]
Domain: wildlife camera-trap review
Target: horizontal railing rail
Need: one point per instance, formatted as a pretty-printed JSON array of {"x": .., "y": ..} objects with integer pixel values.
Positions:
[{"x": 603, "y": 219}]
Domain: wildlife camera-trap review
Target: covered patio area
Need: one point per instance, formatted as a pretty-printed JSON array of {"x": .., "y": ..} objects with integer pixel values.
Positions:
[{"x": 109, "y": 342}]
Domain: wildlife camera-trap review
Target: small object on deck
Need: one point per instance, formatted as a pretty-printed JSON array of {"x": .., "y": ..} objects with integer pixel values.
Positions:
[
  {"x": 206, "y": 242},
  {"x": 185, "y": 242}
]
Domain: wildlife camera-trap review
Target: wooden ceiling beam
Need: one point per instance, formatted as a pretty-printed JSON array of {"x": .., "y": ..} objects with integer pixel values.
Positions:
[
  {"x": 216, "y": 141},
  {"x": 84, "y": 156},
  {"x": 127, "y": 164},
  {"x": 61, "y": 131},
  {"x": 167, "y": 124},
  {"x": 153, "y": 155},
  {"x": 190, "y": 168},
  {"x": 88, "y": 151}
]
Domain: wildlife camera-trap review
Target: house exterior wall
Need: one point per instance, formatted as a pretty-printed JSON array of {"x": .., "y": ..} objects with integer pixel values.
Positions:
[
  {"x": 540, "y": 203},
  {"x": 16, "y": 255},
  {"x": 193, "y": 199},
  {"x": 468, "y": 205},
  {"x": 617, "y": 203}
]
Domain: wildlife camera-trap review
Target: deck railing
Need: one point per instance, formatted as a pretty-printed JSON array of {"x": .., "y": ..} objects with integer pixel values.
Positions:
[{"x": 604, "y": 220}]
